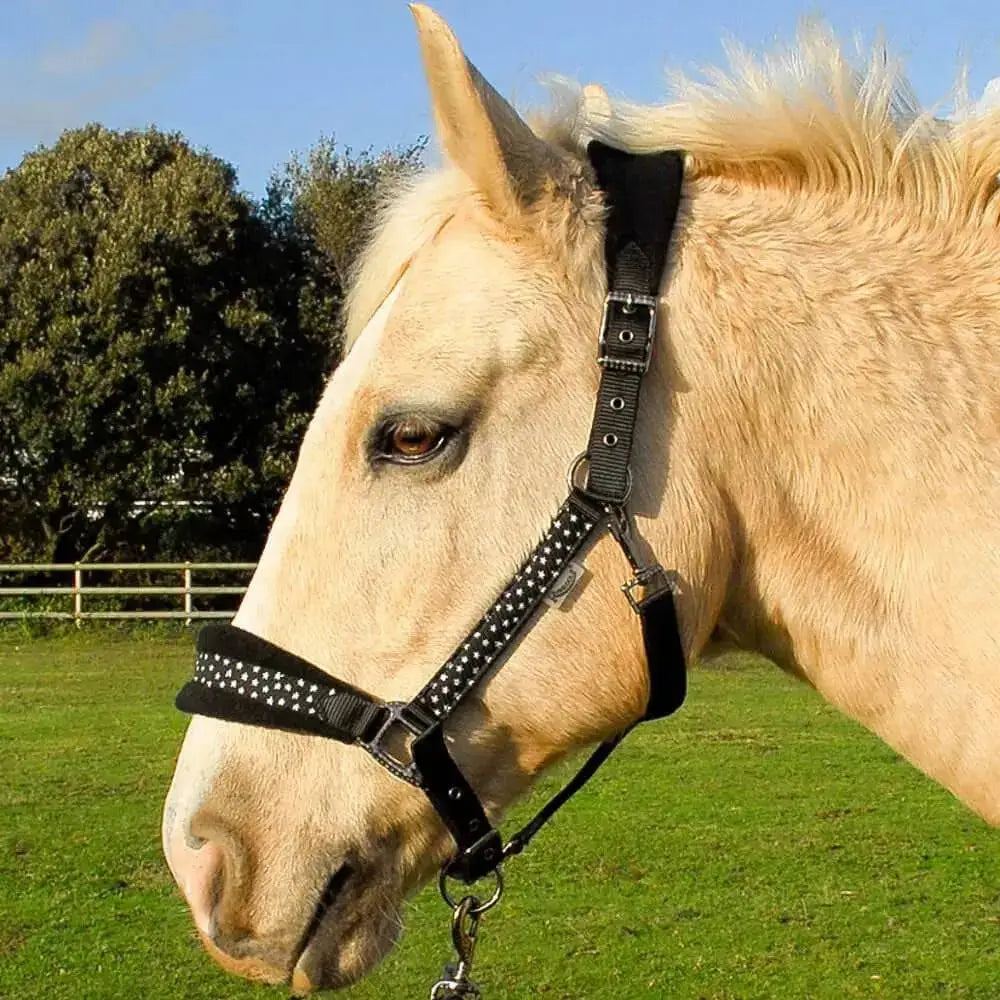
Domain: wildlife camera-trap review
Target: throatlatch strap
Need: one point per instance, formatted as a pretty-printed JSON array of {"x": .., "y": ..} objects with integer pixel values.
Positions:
[
  {"x": 523, "y": 837},
  {"x": 661, "y": 639}
]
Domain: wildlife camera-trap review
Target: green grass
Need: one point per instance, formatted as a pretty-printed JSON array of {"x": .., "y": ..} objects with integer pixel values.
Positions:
[{"x": 757, "y": 846}]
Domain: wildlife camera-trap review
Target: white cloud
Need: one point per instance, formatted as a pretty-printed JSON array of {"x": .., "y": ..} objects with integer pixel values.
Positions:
[
  {"x": 43, "y": 118},
  {"x": 104, "y": 44},
  {"x": 76, "y": 79},
  {"x": 967, "y": 106}
]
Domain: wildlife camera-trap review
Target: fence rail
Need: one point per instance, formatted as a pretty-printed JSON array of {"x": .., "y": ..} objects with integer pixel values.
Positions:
[{"x": 76, "y": 590}]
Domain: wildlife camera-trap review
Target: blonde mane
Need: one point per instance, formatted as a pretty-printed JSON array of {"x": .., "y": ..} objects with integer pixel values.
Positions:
[
  {"x": 810, "y": 119},
  {"x": 802, "y": 119}
]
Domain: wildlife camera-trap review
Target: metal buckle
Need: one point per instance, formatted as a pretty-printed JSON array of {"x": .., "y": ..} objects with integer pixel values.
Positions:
[
  {"x": 644, "y": 574},
  {"x": 628, "y": 301},
  {"x": 400, "y": 713},
  {"x": 642, "y": 580}
]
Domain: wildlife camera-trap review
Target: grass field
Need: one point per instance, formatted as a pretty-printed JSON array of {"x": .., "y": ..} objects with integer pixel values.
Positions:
[{"x": 757, "y": 846}]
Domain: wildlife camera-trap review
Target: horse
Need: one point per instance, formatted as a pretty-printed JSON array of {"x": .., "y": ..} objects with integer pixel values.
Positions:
[{"x": 817, "y": 459}]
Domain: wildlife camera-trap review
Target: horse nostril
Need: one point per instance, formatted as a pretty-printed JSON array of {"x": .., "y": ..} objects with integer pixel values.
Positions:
[{"x": 200, "y": 873}]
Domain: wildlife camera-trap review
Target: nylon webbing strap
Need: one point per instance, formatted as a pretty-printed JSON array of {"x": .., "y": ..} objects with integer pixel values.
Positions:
[
  {"x": 523, "y": 837},
  {"x": 642, "y": 193},
  {"x": 576, "y": 521}
]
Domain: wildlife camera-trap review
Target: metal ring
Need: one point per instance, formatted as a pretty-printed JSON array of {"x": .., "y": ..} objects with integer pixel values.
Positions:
[
  {"x": 574, "y": 468},
  {"x": 610, "y": 440},
  {"x": 617, "y": 403},
  {"x": 477, "y": 908},
  {"x": 626, "y": 336}
]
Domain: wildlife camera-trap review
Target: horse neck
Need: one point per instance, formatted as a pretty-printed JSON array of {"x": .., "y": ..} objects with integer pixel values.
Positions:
[{"x": 829, "y": 422}]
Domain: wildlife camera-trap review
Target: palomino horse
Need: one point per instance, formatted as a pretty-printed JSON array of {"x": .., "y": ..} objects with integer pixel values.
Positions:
[{"x": 818, "y": 458}]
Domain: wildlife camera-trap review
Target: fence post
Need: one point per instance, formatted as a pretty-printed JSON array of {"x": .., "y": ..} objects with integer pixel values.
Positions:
[
  {"x": 77, "y": 596},
  {"x": 187, "y": 594}
]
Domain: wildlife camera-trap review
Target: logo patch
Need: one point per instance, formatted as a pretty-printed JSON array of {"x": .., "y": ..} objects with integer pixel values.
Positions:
[{"x": 564, "y": 585}]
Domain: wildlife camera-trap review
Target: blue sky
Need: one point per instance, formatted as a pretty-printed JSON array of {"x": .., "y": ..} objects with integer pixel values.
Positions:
[{"x": 252, "y": 80}]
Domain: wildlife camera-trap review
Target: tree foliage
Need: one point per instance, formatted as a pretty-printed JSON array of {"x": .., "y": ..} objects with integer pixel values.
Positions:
[
  {"x": 164, "y": 339},
  {"x": 327, "y": 201},
  {"x": 153, "y": 382},
  {"x": 336, "y": 195}
]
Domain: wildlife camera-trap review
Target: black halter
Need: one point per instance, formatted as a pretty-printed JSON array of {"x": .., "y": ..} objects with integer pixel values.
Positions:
[{"x": 240, "y": 677}]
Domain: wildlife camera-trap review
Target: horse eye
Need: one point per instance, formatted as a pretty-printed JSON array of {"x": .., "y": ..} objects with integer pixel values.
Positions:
[{"x": 410, "y": 441}]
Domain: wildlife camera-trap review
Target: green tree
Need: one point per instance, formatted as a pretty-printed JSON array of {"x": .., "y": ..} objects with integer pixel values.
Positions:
[
  {"x": 325, "y": 202},
  {"x": 154, "y": 376}
]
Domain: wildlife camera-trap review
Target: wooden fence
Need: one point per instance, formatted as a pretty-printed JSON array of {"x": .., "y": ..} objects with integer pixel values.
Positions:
[{"x": 87, "y": 580}]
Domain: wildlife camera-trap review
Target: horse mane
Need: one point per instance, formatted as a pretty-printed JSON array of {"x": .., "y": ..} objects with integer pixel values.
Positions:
[
  {"x": 809, "y": 119},
  {"x": 805, "y": 119}
]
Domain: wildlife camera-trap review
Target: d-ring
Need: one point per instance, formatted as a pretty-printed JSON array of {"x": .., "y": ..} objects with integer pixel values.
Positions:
[
  {"x": 573, "y": 475},
  {"x": 478, "y": 908},
  {"x": 574, "y": 468}
]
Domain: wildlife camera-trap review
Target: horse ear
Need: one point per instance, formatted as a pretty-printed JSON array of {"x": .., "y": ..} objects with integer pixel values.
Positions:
[{"x": 479, "y": 131}]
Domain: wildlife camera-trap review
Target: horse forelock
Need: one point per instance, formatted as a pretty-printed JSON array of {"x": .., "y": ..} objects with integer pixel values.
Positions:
[{"x": 412, "y": 214}]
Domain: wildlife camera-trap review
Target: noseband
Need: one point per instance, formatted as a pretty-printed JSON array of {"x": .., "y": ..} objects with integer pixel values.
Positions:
[{"x": 242, "y": 678}]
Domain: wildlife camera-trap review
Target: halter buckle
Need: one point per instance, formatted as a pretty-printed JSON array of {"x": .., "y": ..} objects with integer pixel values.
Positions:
[
  {"x": 407, "y": 716},
  {"x": 642, "y": 580},
  {"x": 644, "y": 573},
  {"x": 628, "y": 302}
]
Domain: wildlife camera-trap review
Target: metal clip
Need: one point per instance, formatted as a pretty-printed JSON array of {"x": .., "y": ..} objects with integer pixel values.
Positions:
[
  {"x": 454, "y": 983},
  {"x": 646, "y": 576}
]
